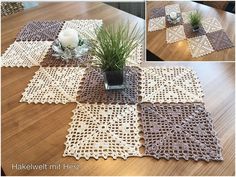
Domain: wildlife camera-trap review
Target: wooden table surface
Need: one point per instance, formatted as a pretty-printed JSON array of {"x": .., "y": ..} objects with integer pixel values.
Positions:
[
  {"x": 35, "y": 133},
  {"x": 179, "y": 51}
]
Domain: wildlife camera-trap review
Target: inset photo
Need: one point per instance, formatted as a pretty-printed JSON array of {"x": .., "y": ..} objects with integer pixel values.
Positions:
[{"x": 194, "y": 31}]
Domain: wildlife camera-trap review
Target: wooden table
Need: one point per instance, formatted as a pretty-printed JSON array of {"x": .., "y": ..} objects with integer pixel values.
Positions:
[
  {"x": 34, "y": 134},
  {"x": 156, "y": 41}
]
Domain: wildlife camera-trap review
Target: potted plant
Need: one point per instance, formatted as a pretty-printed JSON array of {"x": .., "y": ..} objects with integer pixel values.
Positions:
[
  {"x": 111, "y": 48},
  {"x": 195, "y": 20}
]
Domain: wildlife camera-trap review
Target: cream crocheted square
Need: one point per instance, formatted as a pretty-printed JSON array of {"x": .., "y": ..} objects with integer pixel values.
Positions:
[
  {"x": 156, "y": 24},
  {"x": 53, "y": 85},
  {"x": 85, "y": 28},
  {"x": 172, "y": 8},
  {"x": 211, "y": 24},
  {"x": 170, "y": 84},
  {"x": 200, "y": 46},
  {"x": 103, "y": 130},
  {"x": 25, "y": 53},
  {"x": 175, "y": 33}
]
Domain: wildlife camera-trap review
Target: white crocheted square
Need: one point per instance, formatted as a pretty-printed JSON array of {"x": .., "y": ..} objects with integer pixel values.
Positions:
[
  {"x": 211, "y": 24},
  {"x": 156, "y": 24},
  {"x": 25, "y": 53},
  {"x": 103, "y": 130},
  {"x": 175, "y": 34},
  {"x": 185, "y": 15},
  {"x": 85, "y": 28},
  {"x": 53, "y": 85},
  {"x": 170, "y": 84},
  {"x": 172, "y": 8},
  {"x": 200, "y": 46}
]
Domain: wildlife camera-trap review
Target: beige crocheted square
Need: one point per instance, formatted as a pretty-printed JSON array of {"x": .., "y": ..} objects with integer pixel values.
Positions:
[
  {"x": 172, "y": 8},
  {"x": 175, "y": 33},
  {"x": 85, "y": 28},
  {"x": 25, "y": 53},
  {"x": 211, "y": 24},
  {"x": 53, "y": 85},
  {"x": 170, "y": 84},
  {"x": 156, "y": 24},
  {"x": 103, "y": 130},
  {"x": 200, "y": 46}
]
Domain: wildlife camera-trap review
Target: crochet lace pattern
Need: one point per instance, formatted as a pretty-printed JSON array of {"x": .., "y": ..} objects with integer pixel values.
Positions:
[
  {"x": 92, "y": 88},
  {"x": 53, "y": 85},
  {"x": 170, "y": 84},
  {"x": 103, "y": 130},
  {"x": 25, "y": 53},
  {"x": 179, "y": 130}
]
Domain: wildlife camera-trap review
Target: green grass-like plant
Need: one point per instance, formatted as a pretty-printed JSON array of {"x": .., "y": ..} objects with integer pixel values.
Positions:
[
  {"x": 195, "y": 19},
  {"x": 114, "y": 44}
]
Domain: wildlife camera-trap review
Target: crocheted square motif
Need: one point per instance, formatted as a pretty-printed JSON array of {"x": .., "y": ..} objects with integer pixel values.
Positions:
[
  {"x": 52, "y": 61},
  {"x": 85, "y": 28},
  {"x": 92, "y": 89},
  {"x": 200, "y": 46},
  {"x": 157, "y": 12},
  {"x": 219, "y": 40},
  {"x": 40, "y": 31},
  {"x": 175, "y": 34},
  {"x": 211, "y": 24},
  {"x": 53, "y": 85},
  {"x": 179, "y": 131},
  {"x": 103, "y": 131},
  {"x": 170, "y": 84},
  {"x": 172, "y": 8},
  {"x": 25, "y": 53},
  {"x": 156, "y": 24},
  {"x": 189, "y": 31}
]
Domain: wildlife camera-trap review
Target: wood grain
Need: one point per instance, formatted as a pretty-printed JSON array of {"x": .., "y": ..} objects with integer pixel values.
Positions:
[
  {"x": 35, "y": 133},
  {"x": 179, "y": 51}
]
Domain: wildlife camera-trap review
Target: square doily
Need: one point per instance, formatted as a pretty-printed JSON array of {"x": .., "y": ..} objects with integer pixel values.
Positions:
[
  {"x": 157, "y": 12},
  {"x": 53, "y": 85},
  {"x": 156, "y": 24},
  {"x": 103, "y": 131},
  {"x": 40, "y": 31},
  {"x": 175, "y": 34},
  {"x": 219, "y": 40},
  {"x": 92, "y": 88},
  {"x": 211, "y": 24},
  {"x": 25, "y": 53},
  {"x": 172, "y": 8},
  {"x": 170, "y": 84},
  {"x": 85, "y": 28},
  {"x": 200, "y": 46},
  {"x": 179, "y": 131}
]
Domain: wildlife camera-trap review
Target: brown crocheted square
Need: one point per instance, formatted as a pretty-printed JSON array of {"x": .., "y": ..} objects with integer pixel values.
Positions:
[
  {"x": 40, "y": 31},
  {"x": 51, "y": 61},
  {"x": 189, "y": 31},
  {"x": 157, "y": 12},
  {"x": 219, "y": 40},
  {"x": 183, "y": 130},
  {"x": 92, "y": 90}
]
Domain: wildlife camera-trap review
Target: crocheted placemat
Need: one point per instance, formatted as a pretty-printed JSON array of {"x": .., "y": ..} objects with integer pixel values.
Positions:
[
  {"x": 25, "y": 53},
  {"x": 103, "y": 131},
  {"x": 53, "y": 85},
  {"x": 183, "y": 30},
  {"x": 40, "y": 31},
  {"x": 92, "y": 88},
  {"x": 170, "y": 84},
  {"x": 179, "y": 131}
]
